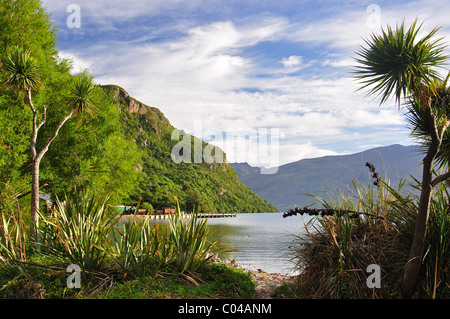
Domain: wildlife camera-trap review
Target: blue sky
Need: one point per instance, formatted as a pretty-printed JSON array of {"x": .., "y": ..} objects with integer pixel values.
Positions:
[{"x": 247, "y": 64}]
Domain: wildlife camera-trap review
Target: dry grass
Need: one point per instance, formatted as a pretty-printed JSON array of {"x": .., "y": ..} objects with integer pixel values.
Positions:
[{"x": 335, "y": 251}]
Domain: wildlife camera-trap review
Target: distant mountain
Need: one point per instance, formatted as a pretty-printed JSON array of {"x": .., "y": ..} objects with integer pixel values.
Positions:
[{"x": 291, "y": 184}]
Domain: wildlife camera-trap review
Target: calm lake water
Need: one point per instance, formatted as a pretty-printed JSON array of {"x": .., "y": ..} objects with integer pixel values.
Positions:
[{"x": 258, "y": 241}]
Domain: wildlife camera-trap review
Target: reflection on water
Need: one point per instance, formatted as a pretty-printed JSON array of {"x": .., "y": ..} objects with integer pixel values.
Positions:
[{"x": 258, "y": 241}]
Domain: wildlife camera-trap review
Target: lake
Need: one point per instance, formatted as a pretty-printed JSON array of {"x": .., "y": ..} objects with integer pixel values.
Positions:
[{"x": 258, "y": 241}]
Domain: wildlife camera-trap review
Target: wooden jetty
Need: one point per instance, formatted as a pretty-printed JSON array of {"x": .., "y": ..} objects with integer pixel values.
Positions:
[
  {"x": 159, "y": 216},
  {"x": 211, "y": 215},
  {"x": 165, "y": 213},
  {"x": 187, "y": 216}
]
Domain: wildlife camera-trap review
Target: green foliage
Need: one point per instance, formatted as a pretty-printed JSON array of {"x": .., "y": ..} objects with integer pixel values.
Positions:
[
  {"x": 188, "y": 240},
  {"x": 78, "y": 231},
  {"x": 237, "y": 282},
  {"x": 92, "y": 153},
  {"x": 21, "y": 69},
  {"x": 25, "y": 24},
  {"x": 397, "y": 63},
  {"x": 420, "y": 127},
  {"x": 335, "y": 251},
  {"x": 146, "y": 260},
  {"x": 117, "y": 150},
  {"x": 136, "y": 248},
  {"x": 80, "y": 98},
  {"x": 435, "y": 274},
  {"x": 146, "y": 206},
  {"x": 217, "y": 281},
  {"x": 12, "y": 243},
  {"x": 215, "y": 187}
]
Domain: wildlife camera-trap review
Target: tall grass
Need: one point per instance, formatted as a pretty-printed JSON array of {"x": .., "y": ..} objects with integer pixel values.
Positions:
[
  {"x": 437, "y": 259},
  {"x": 86, "y": 231},
  {"x": 12, "y": 244},
  {"x": 78, "y": 231},
  {"x": 137, "y": 248},
  {"x": 188, "y": 239},
  {"x": 334, "y": 254},
  {"x": 12, "y": 234}
]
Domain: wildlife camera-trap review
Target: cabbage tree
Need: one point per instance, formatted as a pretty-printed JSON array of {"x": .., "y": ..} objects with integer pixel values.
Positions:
[
  {"x": 22, "y": 72},
  {"x": 399, "y": 64}
]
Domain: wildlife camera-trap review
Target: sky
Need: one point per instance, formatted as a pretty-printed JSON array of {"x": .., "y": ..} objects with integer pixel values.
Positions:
[{"x": 277, "y": 69}]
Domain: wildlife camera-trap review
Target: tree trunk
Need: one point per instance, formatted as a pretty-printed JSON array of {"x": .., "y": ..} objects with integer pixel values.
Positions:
[
  {"x": 447, "y": 182},
  {"x": 36, "y": 161},
  {"x": 412, "y": 268},
  {"x": 35, "y": 175},
  {"x": 35, "y": 201},
  {"x": 34, "y": 172}
]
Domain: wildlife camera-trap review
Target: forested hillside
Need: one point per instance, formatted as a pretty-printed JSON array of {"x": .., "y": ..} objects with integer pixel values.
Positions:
[
  {"x": 214, "y": 187},
  {"x": 118, "y": 150}
]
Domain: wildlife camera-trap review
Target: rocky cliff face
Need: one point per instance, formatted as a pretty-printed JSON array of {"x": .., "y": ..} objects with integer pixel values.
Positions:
[
  {"x": 151, "y": 117},
  {"x": 133, "y": 105},
  {"x": 215, "y": 187}
]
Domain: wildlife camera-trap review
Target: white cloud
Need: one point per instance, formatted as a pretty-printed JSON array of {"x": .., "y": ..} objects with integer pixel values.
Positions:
[
  {"x": 292, "y": 152},
  {"x": 78, "y": 64},
  {"x": 199, "y": 77},
  {"x": 208, "y": 72},
  {"x": 292, "y": 61}
]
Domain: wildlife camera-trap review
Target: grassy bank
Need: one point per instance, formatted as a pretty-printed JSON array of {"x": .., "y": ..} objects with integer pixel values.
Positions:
[
  {"x": 132, "y": 259},
  {"x": 212, "y": 280}
]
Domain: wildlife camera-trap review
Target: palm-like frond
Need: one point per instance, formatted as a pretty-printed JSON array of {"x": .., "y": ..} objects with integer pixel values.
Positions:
[
  {"x": 397, "y": 63},
  {"x": 21, "y": 69},
  {"x": 80, "y": 98},
  {"x": 420, "y": 127}
]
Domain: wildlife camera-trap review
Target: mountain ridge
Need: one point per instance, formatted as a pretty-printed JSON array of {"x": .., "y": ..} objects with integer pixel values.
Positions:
[
  {"x": 214, "y": 187},
  {"x": 322, "y": 175}
]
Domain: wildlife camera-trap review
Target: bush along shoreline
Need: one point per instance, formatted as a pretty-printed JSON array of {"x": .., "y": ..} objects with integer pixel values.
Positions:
[{"x": 371, "y": 226}]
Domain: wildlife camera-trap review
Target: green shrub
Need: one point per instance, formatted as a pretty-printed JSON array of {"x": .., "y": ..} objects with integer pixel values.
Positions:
[
  {"x": 188, "y": 240},
  {"x": 333, "y": 255},
  {"x": 12, "y": 243},
  {"x": 136, "y": 248},
  {"x": 78, "y": 232},
  {"x": 336, "y": 250}
]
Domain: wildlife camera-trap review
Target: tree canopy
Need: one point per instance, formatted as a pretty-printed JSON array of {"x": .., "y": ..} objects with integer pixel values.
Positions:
[
  {"x": 110, "y": 150},
  {"x": 85, "y": 154}
]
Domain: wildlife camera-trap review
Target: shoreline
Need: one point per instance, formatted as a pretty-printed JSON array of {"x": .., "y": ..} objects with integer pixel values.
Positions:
[{"x": 265, "y": 282}]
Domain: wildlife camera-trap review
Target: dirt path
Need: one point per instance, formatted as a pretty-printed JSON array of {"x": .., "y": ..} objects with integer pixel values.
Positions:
[{"x": 266, "y": 283}]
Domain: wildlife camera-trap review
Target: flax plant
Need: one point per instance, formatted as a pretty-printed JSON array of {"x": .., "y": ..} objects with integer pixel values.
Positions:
[
  {"x": 79, "y": 231},
  {"x": 136, "y": 250},
  {"x": 188, "y": 240},
  {"x": 12, "y": 233},
  {"x": 12, "y": 244},
  {"x": 437, "y": 256},
  {"x": 435, "y": 273}
]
